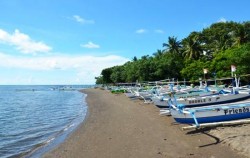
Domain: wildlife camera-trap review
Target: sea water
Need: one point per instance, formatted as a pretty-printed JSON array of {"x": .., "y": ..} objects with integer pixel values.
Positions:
[{"x": 34, "y": 117}]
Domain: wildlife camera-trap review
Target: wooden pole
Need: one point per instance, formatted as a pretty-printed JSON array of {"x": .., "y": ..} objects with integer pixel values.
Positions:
[{"x": 214, "y": 124}]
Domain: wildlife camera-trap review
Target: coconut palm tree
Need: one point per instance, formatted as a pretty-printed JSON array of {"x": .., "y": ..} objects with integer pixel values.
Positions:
[
  {"x": 222, "y": 43},
  {"x": 158, "y": 53},
  {"x": 239, "y": 36},
  {"x": 134, "y": 59},
  {"x": 173, "y": 45},
  {"x": 192, "y": 48}
]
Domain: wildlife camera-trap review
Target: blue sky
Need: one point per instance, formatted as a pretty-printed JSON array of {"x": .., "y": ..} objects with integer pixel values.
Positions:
[{"x": 71, "y": 41}]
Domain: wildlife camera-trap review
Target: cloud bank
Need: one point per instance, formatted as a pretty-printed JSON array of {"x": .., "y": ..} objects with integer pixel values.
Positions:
[
  {"x": 84, "y": 68},
  {"x": 23, "y": 42}
]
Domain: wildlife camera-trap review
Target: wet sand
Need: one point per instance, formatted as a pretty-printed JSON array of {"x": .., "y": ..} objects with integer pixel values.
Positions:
[{"x": 117, "y": 127}]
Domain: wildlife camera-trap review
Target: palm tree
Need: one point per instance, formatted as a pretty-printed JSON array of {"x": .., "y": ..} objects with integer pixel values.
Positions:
[
  {"x": 247, "y": 29},
  {"x": 134, "y": 59},
  {"x": 173, "y": 45},
  {"x": 192, "y": 48},
  {"x": 158, "y": 53},
  {"x": 239, "y": 36},
  {"x": 223, "y": 42}
]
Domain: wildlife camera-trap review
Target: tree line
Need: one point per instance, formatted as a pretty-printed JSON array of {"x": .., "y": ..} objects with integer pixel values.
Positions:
[{"x": 215, "y": 48}]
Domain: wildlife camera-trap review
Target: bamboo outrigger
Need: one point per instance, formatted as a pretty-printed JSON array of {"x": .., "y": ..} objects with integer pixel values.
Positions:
[{"x": 215, "y": 124}]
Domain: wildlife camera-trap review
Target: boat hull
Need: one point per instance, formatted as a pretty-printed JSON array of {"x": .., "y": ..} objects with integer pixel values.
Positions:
[
  {"x": 212, "y": 114},
  {"x": 159, "y": 102},
  {"x": 218, "y": 118},
  {"x": 212, "y": 100}
]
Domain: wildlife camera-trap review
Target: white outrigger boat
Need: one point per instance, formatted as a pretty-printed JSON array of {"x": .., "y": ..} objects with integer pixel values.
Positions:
[
  {"x": 213, "y": 99},
  {"x": 203, "y": 98},
  {"x": 161, "y": 96},
  {"x": 161, "y": 101}
]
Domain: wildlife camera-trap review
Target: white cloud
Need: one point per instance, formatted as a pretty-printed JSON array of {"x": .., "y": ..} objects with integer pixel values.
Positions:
[
  {"x": 159, "y": 31},
  {"x": 84, "y": 68},
  {"x": 140, "y": 31},
  {"x": 23, "y": 42},
  {"x": 222, "y": 20},
  {"x": 81, "y": 20},
  {"x": 90, "y": 45}
]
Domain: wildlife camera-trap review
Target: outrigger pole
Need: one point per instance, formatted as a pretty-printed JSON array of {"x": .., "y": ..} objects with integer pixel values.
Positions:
[{"x": 214, "y": 124}]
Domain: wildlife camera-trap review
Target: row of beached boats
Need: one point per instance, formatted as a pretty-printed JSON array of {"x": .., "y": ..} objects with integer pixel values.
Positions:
[{"x": 199, "y": 106}]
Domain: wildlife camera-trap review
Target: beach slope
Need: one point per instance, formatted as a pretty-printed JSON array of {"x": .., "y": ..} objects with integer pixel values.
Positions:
[{"x": 117, "y": 127}]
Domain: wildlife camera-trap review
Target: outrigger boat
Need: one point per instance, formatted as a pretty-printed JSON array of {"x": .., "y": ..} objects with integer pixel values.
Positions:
[
  {"x": 204, "y": 98},
  {"x": 162, "y": 101},
  {"x": 223, "y": 96},
  {"x": 213, "y": 99},
  {"x": 209, "y": 114}
]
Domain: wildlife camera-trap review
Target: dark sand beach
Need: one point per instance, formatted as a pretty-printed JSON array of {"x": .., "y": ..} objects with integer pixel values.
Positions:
[{"x": 117, "y": 127}]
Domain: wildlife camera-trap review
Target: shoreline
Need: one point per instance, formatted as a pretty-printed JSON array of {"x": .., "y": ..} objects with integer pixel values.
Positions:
[
  {"x": 59, "y": 138},
  {"x": 115, "y": 126}
]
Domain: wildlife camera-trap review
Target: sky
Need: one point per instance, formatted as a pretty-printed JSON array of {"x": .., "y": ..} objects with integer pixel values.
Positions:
[{"x": 46, "y": 42}]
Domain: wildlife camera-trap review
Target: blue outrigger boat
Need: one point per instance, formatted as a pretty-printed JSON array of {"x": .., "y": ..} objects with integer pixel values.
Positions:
[{"x": 209, "y": 114}]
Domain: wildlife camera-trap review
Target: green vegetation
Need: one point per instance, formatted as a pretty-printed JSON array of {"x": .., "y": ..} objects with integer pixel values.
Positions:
[{"x": 215, "y": 48}]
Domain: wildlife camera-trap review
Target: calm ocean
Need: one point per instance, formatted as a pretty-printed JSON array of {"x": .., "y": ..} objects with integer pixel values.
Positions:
[{"x": 34, "y": 119}]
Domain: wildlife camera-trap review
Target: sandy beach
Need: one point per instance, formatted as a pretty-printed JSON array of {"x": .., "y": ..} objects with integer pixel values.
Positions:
[{"x": 117, "y": 127}]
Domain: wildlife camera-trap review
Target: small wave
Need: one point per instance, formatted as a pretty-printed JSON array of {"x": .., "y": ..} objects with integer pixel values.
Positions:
[
  {"x": 33, "y": 149},
  {"x": 25, "y": 90},
  {"x": 50, "y": 140},
  {"x": 69, "y": 126}
]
